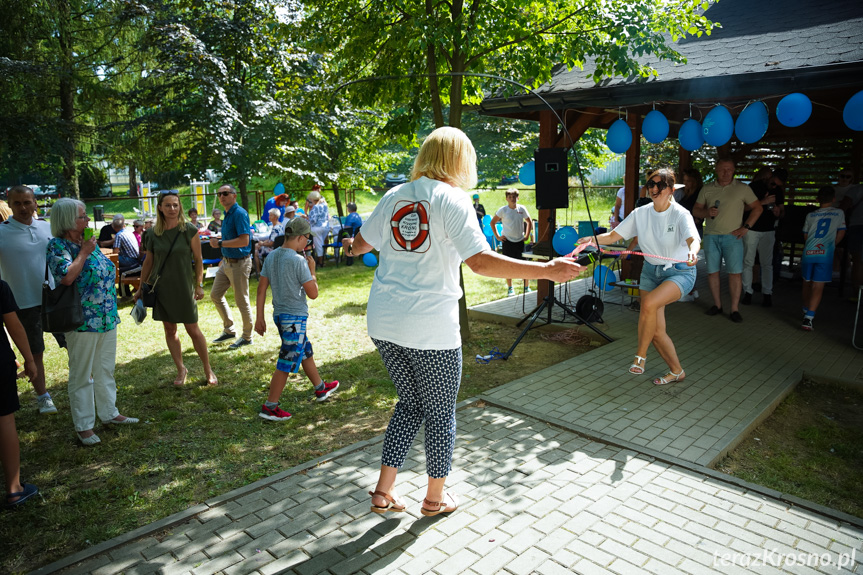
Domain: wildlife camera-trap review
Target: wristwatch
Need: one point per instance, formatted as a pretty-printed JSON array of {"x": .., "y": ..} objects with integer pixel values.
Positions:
[
  {"x": 747, "y": 226},
  {"x": 220, "y": 243},
  {"x": 201, "y": 285}
]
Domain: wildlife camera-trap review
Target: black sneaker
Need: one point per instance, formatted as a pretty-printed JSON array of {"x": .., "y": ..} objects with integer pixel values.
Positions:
[
  {"x": 756, "y": 287},
  {"x": 767, "y": 300},
  {"x": 736, "y": 317},
  {"x": 224, "y": 337},
  {"x": 240, "y": 343},
  {"x": 746, "y": 299},
  {"x": 807, "y": 323},
  {"x": 714, "y": 310}
]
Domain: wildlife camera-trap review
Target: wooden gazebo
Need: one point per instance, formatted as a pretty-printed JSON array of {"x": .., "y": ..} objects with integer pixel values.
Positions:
[{"x": 763, "y": 51}]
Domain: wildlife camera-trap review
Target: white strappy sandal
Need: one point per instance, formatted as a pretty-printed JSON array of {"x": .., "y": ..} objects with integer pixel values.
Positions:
[{"x": 636, "y": 369}]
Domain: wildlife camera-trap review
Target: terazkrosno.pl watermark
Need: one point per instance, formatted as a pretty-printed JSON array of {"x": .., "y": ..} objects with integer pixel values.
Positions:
[{"x": 774, "y": 558}]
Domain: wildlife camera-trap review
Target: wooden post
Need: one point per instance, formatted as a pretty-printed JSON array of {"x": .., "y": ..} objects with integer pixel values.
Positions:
[
  {"x": 632, "y": 177},
  {"x": 548, "y": 137}
]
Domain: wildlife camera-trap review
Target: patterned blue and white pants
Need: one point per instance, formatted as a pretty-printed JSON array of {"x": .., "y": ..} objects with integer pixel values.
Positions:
[{"x": 427, "y": 382}]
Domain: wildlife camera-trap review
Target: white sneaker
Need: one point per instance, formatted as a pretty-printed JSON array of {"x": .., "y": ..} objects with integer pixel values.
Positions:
[
  {"x": 510, "y": 291},
  {"x": 46, "y": 405}
]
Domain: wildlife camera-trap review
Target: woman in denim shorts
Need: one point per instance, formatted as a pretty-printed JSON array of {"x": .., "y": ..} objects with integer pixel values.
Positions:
[{"x": 664, "y": 228}]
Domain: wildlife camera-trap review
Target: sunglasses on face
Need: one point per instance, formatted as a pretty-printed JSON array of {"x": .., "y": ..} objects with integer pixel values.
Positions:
[
  {"x": 222, "y": 194},
  {"x": 660, "y": 184}
]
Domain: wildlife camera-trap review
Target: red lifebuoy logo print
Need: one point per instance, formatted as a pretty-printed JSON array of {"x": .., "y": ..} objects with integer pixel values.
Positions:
[{"x": 410, "y": 226}]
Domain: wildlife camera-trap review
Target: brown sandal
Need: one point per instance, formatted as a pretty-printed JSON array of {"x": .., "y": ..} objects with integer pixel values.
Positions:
[
  {"x": 391, "y": 505},
  {"x": 441, "y": 506}
]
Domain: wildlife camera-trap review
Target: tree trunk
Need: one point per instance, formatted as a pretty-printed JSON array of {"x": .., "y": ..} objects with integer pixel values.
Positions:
[
  {"x": 339, "y": 209},
  {"x": 67, "y": 101},
  {"x": 133, "y": 179},
  {"x": 244, "y": 197},
  {"x": 431, "y": 66}
]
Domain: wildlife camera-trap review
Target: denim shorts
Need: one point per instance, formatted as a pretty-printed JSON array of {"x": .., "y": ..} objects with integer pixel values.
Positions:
[
  {"x": 681, "y": 274},
  {"x": 295, "y": 345},
  {"x": 727, "y": 246}
]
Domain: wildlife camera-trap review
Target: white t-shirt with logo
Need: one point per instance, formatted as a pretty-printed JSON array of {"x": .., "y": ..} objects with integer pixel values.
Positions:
[
  {"x": 660, "y": 233},
  {"x": 423, "y": 230},
  {"x": 513, "y": 221}
]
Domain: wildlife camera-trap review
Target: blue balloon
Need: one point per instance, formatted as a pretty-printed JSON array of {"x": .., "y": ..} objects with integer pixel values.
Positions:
[
  {"x": 564, "y": 240},
  {"x": 718, "y": 126},
  {"x": 690, "y": 135},
  {"x": 793, "y": 110},
  {"x": 604, "y": 277},
  {"x": 752, "y": 122},
  {"x": 486, "y": 220},
  {"x": 527, "y": 174},
  {"x": 370, "y": 260},
  {"x": 655, "y": 127},
  {"x": 619, "y": 137},
  {"x": 279, "y": 189},
  {"x": 853, "y": 112}
]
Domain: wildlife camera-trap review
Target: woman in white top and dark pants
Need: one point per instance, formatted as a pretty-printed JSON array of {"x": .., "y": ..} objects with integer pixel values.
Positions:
[
  {"x": 664, "y": 228},
  {"x": 424, "y": 230}
]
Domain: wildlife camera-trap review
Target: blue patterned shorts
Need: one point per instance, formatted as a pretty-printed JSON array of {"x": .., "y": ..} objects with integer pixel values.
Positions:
[{"x": 295, "y": 345}]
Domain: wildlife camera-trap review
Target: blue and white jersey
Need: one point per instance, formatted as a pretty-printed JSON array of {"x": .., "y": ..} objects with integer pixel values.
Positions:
[{"x": 820, "y": 228}]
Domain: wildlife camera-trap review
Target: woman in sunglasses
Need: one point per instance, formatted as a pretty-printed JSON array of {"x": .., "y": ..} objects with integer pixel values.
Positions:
[
  {"x": 170, "y": 246},
  {"x": 665, "y": 230}
]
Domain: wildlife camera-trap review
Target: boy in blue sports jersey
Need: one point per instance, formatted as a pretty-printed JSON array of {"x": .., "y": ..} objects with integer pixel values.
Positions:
[{"x": 822, "y": 230}]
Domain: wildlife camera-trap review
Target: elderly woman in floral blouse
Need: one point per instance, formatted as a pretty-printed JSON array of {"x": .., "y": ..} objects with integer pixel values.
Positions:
[
  {"x": 319, "y": 218},
  {"x": 93, "y": 346}
]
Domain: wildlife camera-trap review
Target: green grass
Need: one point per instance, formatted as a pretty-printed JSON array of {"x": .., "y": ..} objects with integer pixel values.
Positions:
[
  {"x": 810, "y": 447},
  {"x": 197, "y": 442}
]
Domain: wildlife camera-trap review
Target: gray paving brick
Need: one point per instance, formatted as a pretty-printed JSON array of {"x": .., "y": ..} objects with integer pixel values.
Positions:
[
  {"x": 90, "y": 565},
  {"x": 525, "y": 539},
  {"x": 486, "y": 543},
  {"x": 165, "y": 546},
  {"x": 184, "y": 565},
  {"x": 657, "y": 552},
  {"x": 525, "y": 563},
  {"x": 552, "y": 567},
  {"x": 273, "y": 523},
  {"x": 424, "y": 562},
  {"x": 354, "y": 563},
  {"x": 494, "y": 561},
  {"x": 118, "y": 565},
  {"x": 623, "y": 551},
  {"x": 319, "y": 563},
  {"x": 220, "y": 563}
]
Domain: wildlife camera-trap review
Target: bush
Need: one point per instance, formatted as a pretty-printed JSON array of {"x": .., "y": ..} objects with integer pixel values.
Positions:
[{"x": 91, "y": 180}]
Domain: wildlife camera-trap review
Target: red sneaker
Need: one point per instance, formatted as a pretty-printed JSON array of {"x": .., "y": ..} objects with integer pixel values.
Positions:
[
  {"x": 274, "y": 413},
  {"x": 324, "y": 393}
]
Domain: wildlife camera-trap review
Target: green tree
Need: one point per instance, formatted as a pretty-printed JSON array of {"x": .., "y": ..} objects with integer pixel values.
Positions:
[
  {"x": 516, "y": 39},
  {"x": 225, "y": 79},
  {"x": 50, "y": 74}
]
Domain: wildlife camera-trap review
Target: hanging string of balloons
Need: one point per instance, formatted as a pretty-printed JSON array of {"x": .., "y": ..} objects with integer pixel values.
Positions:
[{"x": 719, "y": 126}]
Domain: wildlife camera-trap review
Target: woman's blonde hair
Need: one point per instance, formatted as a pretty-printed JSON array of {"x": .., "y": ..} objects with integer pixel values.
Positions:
[
  {"x": 447, "y": 155},
  {"x": 159, "y": 228}
]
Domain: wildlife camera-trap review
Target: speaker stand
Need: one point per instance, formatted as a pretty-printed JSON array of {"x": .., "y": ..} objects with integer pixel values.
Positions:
[{"x": 548, "y": 304}]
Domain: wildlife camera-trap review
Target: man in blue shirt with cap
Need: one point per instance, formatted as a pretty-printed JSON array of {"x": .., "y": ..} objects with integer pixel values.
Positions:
[{"x": 234, "y": 270}]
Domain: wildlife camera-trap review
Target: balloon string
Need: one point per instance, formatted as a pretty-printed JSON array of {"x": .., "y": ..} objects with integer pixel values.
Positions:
[{"x": 581, "y": 247}]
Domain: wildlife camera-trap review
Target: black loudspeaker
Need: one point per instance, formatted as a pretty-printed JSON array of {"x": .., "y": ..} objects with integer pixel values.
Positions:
[{"x": 552, "y": 178}]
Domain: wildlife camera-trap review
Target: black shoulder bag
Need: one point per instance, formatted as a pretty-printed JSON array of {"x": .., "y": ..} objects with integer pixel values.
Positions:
[
  {"x": 62, "y": 310},
  {"x": 148, "y": 292}
]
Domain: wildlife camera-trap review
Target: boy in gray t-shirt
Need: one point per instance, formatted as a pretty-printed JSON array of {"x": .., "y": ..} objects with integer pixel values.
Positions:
[{"x": 292, "y": 277}]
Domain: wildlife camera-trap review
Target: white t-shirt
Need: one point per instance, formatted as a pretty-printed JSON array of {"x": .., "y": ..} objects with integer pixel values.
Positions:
[
  {"x": 513, "y": 221},
  {"x": 423, "y": 230},
  {"x": 22, "y": 259},
  {"x": 661, "y": 233}
]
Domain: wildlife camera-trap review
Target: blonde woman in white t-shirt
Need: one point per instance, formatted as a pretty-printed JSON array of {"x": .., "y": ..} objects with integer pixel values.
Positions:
[
  {"x": 424, "y": 230},
  {"x": 666, "y": 229}
]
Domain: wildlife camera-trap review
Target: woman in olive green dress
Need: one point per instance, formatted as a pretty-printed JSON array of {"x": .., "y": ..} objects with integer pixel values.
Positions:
[{"x": 179, "y": 286}]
